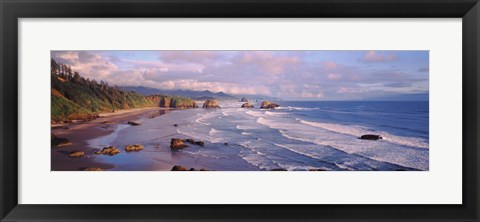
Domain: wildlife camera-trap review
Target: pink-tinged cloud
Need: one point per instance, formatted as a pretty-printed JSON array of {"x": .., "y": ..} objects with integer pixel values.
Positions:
[
  {"x": 330, "y": 64},
  {"x": 374, "y": 56},
  {"x": 189, "y": 56},
  {"x": 89, "y": 64},
  {"x": 334, "y": 76},
  {"x": 267, "y": 61}
]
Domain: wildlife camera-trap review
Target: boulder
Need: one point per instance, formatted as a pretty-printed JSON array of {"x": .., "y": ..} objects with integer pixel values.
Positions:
[
  {"x": 178, "y": 168},
  {"x": 247, "y": 105},
  {"x": 192, "y": 141},
  {"x": 244, "y": 99},
  {"x": 200, "y": 143},
  {"x": 59, "y": 142},
  {"x": 268, "y": 105},
  {"x": 177, "y": 144},
  {"x": 93, "y": 169},
  {"x": 134, "y": 123},
  {"x": 211, "y": 103},
  {"x": 134, "y": 147},
  {"x": 110, "y": 151},
  {"x": 370, "y": 137},
  {"x": 76, "y": 154}
]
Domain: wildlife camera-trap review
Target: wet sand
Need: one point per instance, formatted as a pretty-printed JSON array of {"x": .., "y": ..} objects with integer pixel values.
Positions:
[{"x": 80, "y": 133}]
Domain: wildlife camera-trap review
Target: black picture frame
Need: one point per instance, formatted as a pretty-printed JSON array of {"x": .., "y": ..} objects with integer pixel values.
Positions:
[{"x": 12, "y": 10}]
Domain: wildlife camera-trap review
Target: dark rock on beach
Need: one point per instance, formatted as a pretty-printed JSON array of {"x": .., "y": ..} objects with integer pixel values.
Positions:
[
  {"x": 110, "y": 151},
  {"x": 268, "y": 105},
  {"x": 178, "y": 168},
  {"x": 134, "y": 147},
  {"x": 370, "y": 137},
  {"x": 211, "y": 103},
  {"x": 247, "y": 105},
  {"x": 93, "y": 169},
  {"x": 244, "y": 99},
  {"x": 133, "y": 123},
  {"x": 76, "y": 154},
  {"x": 181, "y": 168},
  {"x": 59, "y": 142},
  {"x": 177, "y": 144}
]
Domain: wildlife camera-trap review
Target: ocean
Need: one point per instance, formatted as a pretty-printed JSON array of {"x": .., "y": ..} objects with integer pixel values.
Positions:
[{"x": 299, "y": 135}]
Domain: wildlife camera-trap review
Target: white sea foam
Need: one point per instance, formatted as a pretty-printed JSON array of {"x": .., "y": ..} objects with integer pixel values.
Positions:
[{"x": 359, "y": 130}]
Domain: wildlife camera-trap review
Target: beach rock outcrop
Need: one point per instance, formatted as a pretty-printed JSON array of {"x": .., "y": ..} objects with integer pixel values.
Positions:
[
  {"x": 370, "y": 137},
  {"x": 93, "y": 169},
  {"x": 134, "y": 147},
  {"x": 165, "y": 102},
  {"x": 244, "y": 99},
  {"x": 268, "y": 105},
  {"x": 177, "y": 144},
  {"x": 59, "y": 142},
  {"x": 182, "y": 103},
  {"x": 192, "y": 141},
  {"x": 247, "y": 105},
  {"x": 181, "y": 168},
  {"x": 211, "y": 103},
  {"x": 133, "y": 123},
  {"x": 76, "y": 154},
  {"x": 178, "y": 103},
  {"x": 110, "y": 151},
  {"x": 178, "y": 168}
]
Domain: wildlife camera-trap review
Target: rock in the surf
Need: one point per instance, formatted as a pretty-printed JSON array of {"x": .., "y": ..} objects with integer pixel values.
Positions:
[
  {"x": 211, "y": 103},
  {"x": 177, "y": 144},
  {"x": 244, "y": 99},
  {"x": 370, "y": 137},
  {"x": 247, "y": 105},
  {"x": 268, "y": 105}
]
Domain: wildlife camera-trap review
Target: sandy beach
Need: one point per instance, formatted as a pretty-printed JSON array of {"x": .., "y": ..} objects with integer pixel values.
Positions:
[
  {"x": 80, "y": 133},
  {"x": 158, "y": 127}
]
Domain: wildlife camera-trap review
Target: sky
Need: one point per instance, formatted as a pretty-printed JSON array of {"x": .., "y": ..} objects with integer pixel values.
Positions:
[{"x": 300, "y": 75}]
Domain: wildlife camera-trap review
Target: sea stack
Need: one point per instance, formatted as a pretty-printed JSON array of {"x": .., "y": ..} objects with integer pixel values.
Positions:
[
  {"x": 247, "y": 105},
  {"x": 165, "y": 102},
  {"x": 268, "y": 105},
  {"x": 244, "y": 99},
  {"x": 211, "y": 103}
]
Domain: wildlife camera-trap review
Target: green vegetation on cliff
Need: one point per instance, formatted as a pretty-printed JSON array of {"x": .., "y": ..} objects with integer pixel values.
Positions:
[{"x": 74, "y": 97}]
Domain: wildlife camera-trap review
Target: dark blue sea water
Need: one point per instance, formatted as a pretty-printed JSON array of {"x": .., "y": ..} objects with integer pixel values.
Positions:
[
  {"x": 320, "y": 135},
  {"x": 295, "y": 136}
]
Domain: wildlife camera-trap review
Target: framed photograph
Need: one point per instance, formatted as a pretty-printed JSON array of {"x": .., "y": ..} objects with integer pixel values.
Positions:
[{"x": 225, "y": 110}]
